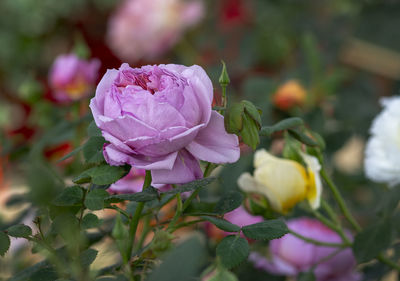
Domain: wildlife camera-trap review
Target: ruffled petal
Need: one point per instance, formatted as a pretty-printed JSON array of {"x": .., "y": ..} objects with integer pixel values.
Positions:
[
  {"x": 214, "y": 144},
  {"x": 186, "y": 168}
]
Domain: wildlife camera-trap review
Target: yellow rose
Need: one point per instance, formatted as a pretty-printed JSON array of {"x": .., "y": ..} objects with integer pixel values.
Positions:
[{"x": 284, "y": 182}]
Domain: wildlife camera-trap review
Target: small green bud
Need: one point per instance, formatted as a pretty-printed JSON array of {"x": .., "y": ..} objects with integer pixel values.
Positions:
[{"x": 224, "y": 78}]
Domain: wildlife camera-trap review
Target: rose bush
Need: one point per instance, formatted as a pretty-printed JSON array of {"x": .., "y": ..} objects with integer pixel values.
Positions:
[{"x": 159, "y": 118}]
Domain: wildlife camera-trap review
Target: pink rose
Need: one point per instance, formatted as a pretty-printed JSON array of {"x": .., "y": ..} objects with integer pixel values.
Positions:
[
  {"x": 72, "y": 78},
  {"x": 291, "y": 255},
  {"x": 159, "y": 118},
  {"x": 145, "y": 29}
]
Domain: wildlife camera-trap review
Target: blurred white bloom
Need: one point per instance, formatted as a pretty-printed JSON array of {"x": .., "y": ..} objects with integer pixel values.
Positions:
[
  {"x": 145, "y": 29},
  {"x": 284, "y": 182},
  {"x": 382, "y": 154}
]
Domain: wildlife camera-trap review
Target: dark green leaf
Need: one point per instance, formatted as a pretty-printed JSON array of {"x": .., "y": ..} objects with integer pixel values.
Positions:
[
  {"x": 103, "y": 174},
  {"x": 223, "y": 275},
  {"x": 187, "y": 268},
  {"x": 69, "y": 197},
  {"x": 303, "y": 138},
  {"x": 191, "y": 186},
  {"x": 19, "y": 231},
  {"x": 4, "y": 243},
  {"x": 249, "y": 132},
  {"x": 90, "y": 221},
  {"x": 306, "y": 276},
  {"x": 16, "y": 199},
  {"x": 95, "y": 199},
  {"x": 222, "y": 224},
  {"x": 148, "y": 194},
  {"x": 266, "y": 230},
  {"x": 93, "y": 150},
  {"x": 87, "y": 257},
  {"x": 229, "y": 202},
  {"x": 372, "y": 240},
  {"x": 47, "y": 273},
  {"x": 251, "y": 110},
  {"x": 234, "y": 118},
  {"x": 93, "y": 130},
  {"x": 282, "y": 125},
  {"x": 29, "y": 271},
  {"x": 233, "y": 250}
]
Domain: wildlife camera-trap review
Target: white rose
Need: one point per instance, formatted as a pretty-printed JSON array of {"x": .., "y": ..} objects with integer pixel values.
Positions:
[{"x": 382, "y": 154}]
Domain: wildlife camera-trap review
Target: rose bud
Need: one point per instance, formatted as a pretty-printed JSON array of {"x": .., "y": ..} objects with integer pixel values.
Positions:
[{"x": 289, "y": 95}]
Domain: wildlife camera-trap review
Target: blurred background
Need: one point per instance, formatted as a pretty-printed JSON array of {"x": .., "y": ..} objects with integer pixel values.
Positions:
[{"x": 328, "y": 62}]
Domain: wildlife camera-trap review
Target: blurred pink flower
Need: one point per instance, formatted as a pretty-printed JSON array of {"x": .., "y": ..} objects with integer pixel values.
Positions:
[
  {"x": 241, "y": 217},
  {"x": 145, "y": 29},
  {"x": 291, "y": 255},
  {"x": 133, "y": 182},
  {"x": 72, "y": 78}
]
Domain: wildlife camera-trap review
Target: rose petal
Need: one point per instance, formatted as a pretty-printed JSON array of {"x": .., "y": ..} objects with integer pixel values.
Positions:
[
  {"x": 186, "y": 168},
  {"x": 214, "y": 144}
]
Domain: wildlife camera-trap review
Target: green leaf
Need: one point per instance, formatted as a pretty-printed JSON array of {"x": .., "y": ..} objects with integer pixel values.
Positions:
[
  {"x": 47, "y": 273},
  {"x": 29, "y": 271},
  {"x": 233, "y": 250},
  {"x": 103, "y": 174},
  {"x": 179, "y": 265},
  {"x": 69, "y": 197},
  {"x": 302, "y": 137},
  {"x": 389, "y": 202},
  {"x": 306, "y": 276},
  {"x": 90, "y": 221},
  {"x": 249, "y": 132},
  {"x": 95, "y": 199},
  {"x": 87, "y": 257},
  {"x": 266, "y": 230},
  {"x": 254, "y": 113},
  {"x": 229, "y": 202},
  {"x": 373, "y": 240},
  {"x": 148, "y": 194},
  {"x": 4, "y": 243},
  {"x": 19, "y": 231},
  {"x": 93, "y": 130},
  {"x": 191, "y": 186},
  {"x": 93, "y": 150},
  {"x": 222, "y": 224},
  {"x": 282, "y": 125},
  {"x": 233, "y": 119}
]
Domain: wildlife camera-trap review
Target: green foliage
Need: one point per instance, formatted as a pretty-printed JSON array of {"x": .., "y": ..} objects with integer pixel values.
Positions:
[
  {"x": 93, "y": 150},
  {"x": 69, "y": 197},
  {"x": 285, "y": 124},
  {"x": 223, "y": 275},
  {"x": 244, "y": 119},
  {"x": 266, "y": 230},
  {"x": 19, "y": 231},
  {"x": 188, "y": 266},
  {"x": 87, "y": 257},
  {"x": 146, "y": 195},
  {"x": 222, "y": 224},
  {"x": 373, "y": 240},
  {"x": 90, "y": 221},
  {"x": 93, "y": 130},
  {"x": 389, "y": 202},
  {"x": 233, "y": 250},
  {"x": 95, "y": 199},
  {"x": 301, "y": 137},
  {"x": 228, "y": 202},
  {"x": 191, "y": 186},
  {"x": 4, "y": 243},
  {"x": 224, "y": 78},
  {"x": 103, "y": 174}
]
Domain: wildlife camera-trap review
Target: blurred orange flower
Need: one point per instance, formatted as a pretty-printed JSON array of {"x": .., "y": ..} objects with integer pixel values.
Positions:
[{"x": 290, "y": 94}]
